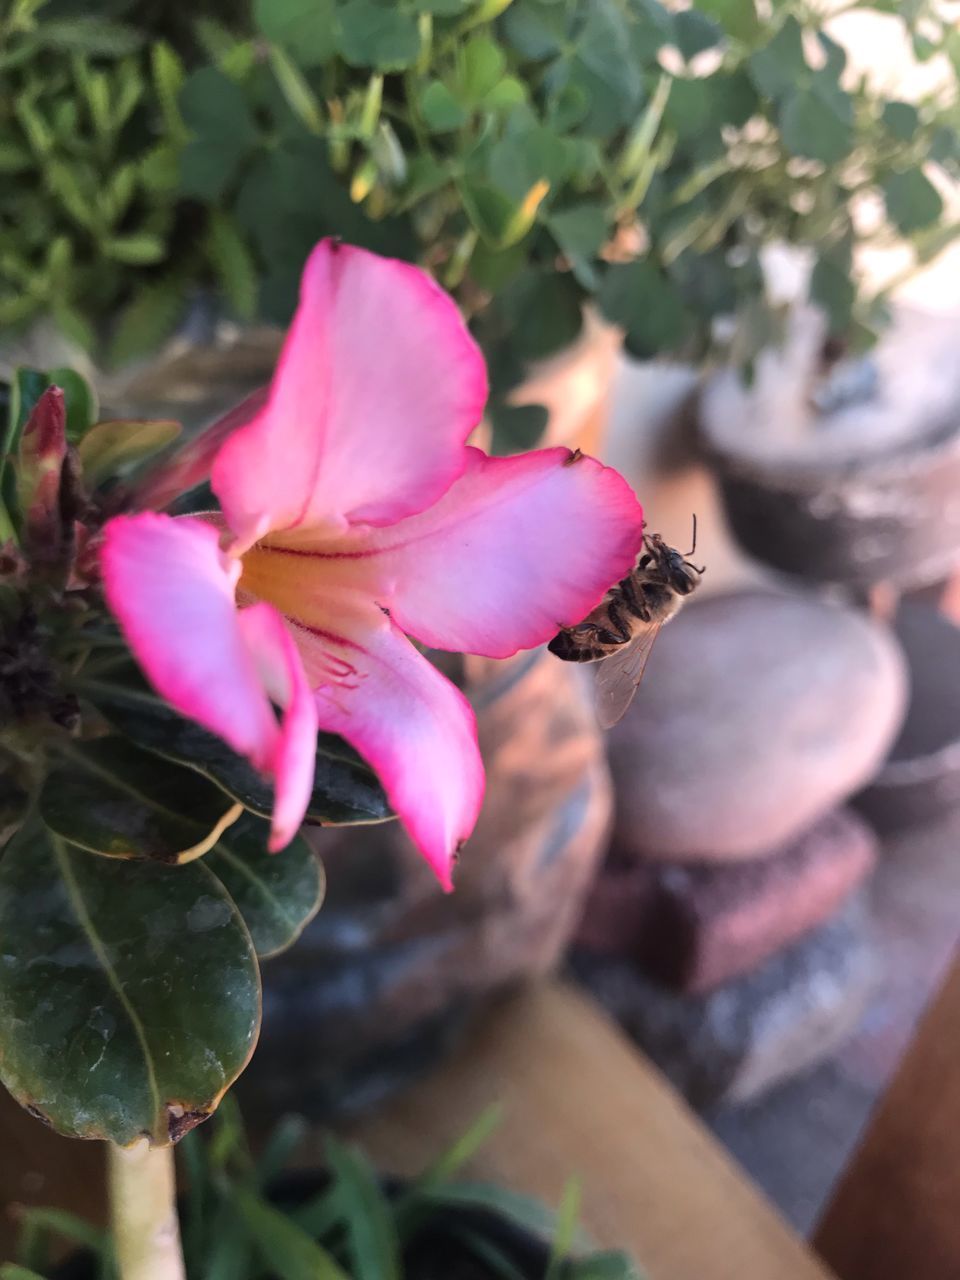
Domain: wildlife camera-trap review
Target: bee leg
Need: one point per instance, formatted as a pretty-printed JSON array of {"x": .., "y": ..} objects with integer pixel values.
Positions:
[
  {"x": 619, "y": 632},
  {"x": 634, "y": 600}
]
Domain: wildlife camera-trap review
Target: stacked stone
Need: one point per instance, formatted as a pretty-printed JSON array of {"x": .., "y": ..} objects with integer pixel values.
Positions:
[{"x": 727, "y": 928}]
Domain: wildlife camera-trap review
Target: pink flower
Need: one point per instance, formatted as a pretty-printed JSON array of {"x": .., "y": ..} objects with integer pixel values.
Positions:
[{"x": 354, "y": 515}]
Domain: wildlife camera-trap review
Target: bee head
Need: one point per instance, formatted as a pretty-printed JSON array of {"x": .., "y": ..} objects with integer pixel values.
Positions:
[{"x": 682, "y": 575}]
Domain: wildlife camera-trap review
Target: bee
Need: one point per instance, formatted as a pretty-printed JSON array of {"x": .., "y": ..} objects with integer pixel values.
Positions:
[{"x": 620, "y": 632}]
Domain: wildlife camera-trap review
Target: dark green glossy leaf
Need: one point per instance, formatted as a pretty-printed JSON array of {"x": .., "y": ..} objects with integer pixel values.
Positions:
[
  {"x": 373, "y": 35},
  {"x": 276, "y": 893},
  {"x": 912, "y": 200},
  {"x": 129, "y": 992},
  {"x": 107, "y": 796},
  {"x": 345, "y": 788}
]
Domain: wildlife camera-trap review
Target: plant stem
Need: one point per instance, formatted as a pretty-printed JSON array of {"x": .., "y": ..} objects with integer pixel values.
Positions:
[{"x": 143, "y": 1212}]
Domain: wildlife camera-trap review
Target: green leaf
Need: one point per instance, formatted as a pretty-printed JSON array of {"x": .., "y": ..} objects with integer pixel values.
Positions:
[
  {"x": 901, "y": 119},
  {"x": 107, "y": 796},
  {"x": 563, "y": 1236},
  {"x": 129, "y": 993},
  {"x": 299, "y": 97},
  {"x": 779, "y": 66},
  {"x": 832, "y": 287},
  {"x": 90, "y": 35},
  {"x": 602, "y": 1266},
  {"x": 483, "y": 63},
  {"x": 79, "y": 398},
  {"x": 812, "y": 128},
  {"x": 233, "y": 261},
  {"x": 371, "y": 1236},
  {"x": 215, "y": 108},
  {"x": 135, "y": 250},
  {"x": 547, "y": 314},
  {"x": 147, "y": 322},
  {"x": 373, "y": 35},
  {"x": 286, "y": 1249},
  {"x": 26, "y": 388},
  {"x": 345, "y": 789},
  {"x": 580, "y": 230},
  {"x": 440, "y": 109},
  {"x": 689, "y": 107},
  {"x": 912, "y": 200},
  {"x": 646, "y": 303},
  {"x": 524, "y": 1210},
  {"x": 737, "y": 17},
  {"x": 695, "y": 32},
  {"x": 501, "y": 221},
  {"x": 304, "y": 27},
  {"x": 449, "y": 1164},
  {"x": 114, "y": 448},
  {"x": 516, "y": 427},
  {"x": 277, "y": 894}
]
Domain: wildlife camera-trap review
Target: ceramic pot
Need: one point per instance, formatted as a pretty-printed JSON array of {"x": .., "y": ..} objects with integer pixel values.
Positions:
[
  {"x": 864, "y": 494},
  {"x": 384, "y": 979},
  {"x": 921, "y": 778}
]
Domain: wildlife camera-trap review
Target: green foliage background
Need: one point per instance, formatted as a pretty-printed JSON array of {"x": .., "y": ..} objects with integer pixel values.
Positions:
[{"x": 532, "y": 153}]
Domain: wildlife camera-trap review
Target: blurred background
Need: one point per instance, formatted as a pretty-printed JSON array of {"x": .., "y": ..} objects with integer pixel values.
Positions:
[{"x": 712, "y": 244}]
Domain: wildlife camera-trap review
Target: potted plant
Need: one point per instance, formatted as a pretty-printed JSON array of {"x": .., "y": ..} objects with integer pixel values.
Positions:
[
  {"x": 559, "y": 169},
  {"x": 241, "y": 1215},
  {"x": 181, "y": 693},
  {"x": 836, "y": 458}
]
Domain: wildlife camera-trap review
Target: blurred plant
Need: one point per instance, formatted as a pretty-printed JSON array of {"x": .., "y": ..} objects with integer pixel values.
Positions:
[
  {"x": 534, "y": 154},
  {"x": 243, "y": 1218}
]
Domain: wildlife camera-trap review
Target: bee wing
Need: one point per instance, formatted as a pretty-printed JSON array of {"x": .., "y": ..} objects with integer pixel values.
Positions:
[{"x": 619, "y": 675}]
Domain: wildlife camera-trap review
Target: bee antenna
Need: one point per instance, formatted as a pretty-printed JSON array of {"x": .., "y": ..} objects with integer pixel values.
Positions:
[{"x": 693, "y": 547}]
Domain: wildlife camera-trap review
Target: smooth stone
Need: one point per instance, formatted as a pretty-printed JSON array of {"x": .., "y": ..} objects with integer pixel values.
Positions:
[
  {"x": 695, "y": 927},
  {"x": 759, "y": 712},
  {"x": 738, "y": 1041}
]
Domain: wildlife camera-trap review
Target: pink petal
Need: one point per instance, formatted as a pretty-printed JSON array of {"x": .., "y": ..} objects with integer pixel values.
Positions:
[
  {"x": 378, "y": 386},
  {"x": 514, "y": 550},
  {"x": 192, "y": 463},
  {"x": 411, "y": 724},
  {"x": 172, "y": 591},
  {"x": 278, "y": 664}
]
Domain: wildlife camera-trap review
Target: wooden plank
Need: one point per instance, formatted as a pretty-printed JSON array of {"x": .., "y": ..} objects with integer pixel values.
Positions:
[
  {"x": 896, "y": 1214},
  {"x": 578, "y": 1098}
]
